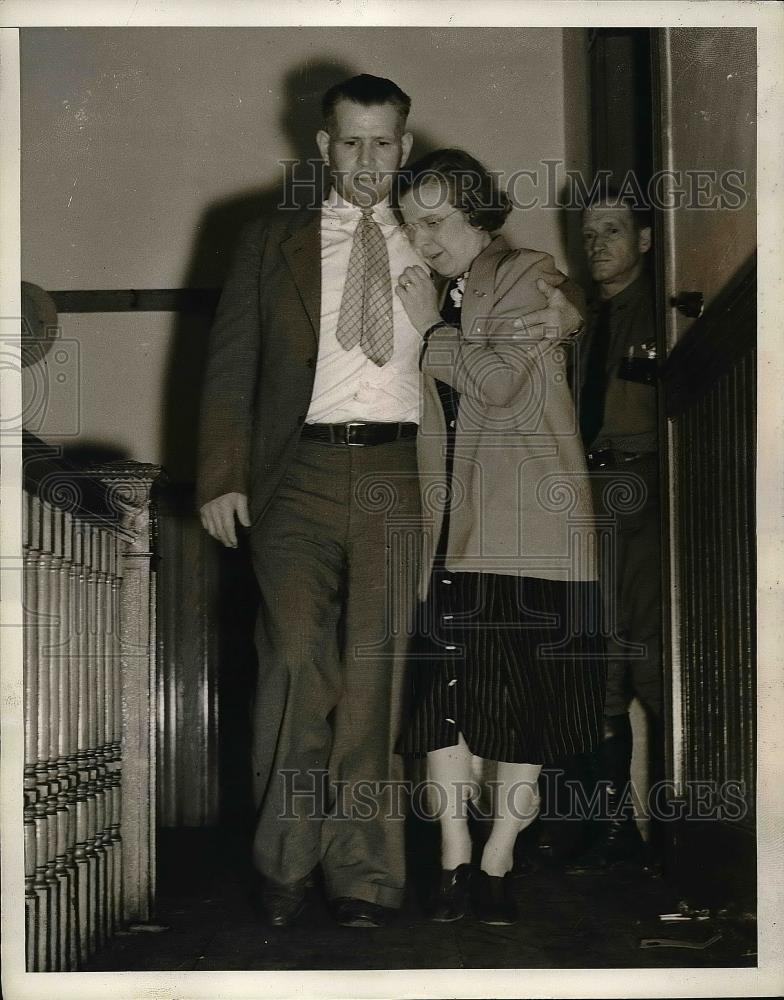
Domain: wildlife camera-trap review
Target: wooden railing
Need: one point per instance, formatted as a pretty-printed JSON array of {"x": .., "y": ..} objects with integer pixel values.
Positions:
[
  {"x": 710, "y": 393},
  {"x": 89, "y": 691}
]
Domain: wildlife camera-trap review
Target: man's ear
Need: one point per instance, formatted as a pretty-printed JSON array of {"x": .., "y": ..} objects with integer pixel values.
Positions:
[
  {"x": 645, "y": 239},
  {"x": 322, "y": 141},
  {"x": 406, "y": 142}
]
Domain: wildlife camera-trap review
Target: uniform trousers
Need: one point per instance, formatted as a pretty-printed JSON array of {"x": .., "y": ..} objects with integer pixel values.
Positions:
[
  {"x": 626, "y": 505},
  {"x": 336, "y": 556}
]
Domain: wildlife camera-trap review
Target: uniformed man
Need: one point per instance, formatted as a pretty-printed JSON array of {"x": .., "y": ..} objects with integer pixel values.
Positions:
[{"x": 618, "y": 422}]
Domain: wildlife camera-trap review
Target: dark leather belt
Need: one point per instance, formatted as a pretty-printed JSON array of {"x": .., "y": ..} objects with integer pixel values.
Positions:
[
  {"x": 358, "y": 434},
  {"x": 609, "y": 456}
]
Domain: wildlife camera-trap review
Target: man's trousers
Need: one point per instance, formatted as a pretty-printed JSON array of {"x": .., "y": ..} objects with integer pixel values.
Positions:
[
  {"x": 336, "y": 556},
  {"x": 626, "y": 505}
]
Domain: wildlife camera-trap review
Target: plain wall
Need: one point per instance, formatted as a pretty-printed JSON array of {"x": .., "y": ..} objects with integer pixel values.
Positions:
[
  {"x": 143, "y": 150},
  {"x": 711, "y": 114}
]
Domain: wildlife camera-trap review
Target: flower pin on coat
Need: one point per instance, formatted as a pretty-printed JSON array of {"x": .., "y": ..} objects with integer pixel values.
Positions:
[{"x": 456, "y": 293}]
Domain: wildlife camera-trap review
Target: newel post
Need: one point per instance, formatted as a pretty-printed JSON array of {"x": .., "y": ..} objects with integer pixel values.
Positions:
[{"x": 131, "y": 488}]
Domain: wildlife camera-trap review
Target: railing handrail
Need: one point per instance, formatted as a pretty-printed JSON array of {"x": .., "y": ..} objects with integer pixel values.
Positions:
[{"x": 100, "y": 494}]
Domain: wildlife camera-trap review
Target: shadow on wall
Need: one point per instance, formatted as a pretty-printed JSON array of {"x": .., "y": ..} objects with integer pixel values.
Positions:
[
  {"x": 570, "y": 220},
  {"x": 213, "y": 247},
  {"x": 214, "y": 244},
  {"x": 87, "y": 454}
]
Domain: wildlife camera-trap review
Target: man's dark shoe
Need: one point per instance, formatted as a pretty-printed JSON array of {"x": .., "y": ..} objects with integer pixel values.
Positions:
[
  {"x": 283, "y": 903},
  {"x": 451, "y": 899},
  {"x": 351, "y": 912},
  {"x": 494, "y": 902}
]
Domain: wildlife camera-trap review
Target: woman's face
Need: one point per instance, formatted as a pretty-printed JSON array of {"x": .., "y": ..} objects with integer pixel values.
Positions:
[{"x": 438, "y": 231}]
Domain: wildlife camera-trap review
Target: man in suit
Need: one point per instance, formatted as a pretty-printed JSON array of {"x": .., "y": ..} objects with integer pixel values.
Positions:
[{"x": 308, "y": 439}]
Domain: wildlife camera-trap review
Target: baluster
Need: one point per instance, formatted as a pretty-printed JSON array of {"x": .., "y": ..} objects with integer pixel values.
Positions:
[
  {"x": 64, "y": 874},
  {"x": 116, "y": 785},
  {"x": 52, "y": 882},
  {"x": 82, "y": 873},
  {"x": 31, "y": 541},
  {"x": 116, "y": 831},
  {"x": 92, "y": 736},
  {"x": 31, "y": 897},
  {"x": 92, "y": 861},
  {"x": 71, "y": 527},
  {"x": 41, "y": 889},
  {"x": 107, "y": 715},
  {"x": 46, "y": 812},
  {"x": 82, "y": 741},
  {"x": 65, "y": 816},
  {"x": 100, "y": 738},
  {"x": 41, "y": 709},
  {"x": 52, "y": 654},
  {"x": 59, "y": 722}
]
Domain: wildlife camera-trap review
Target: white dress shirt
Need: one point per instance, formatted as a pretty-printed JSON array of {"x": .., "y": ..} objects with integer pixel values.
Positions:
[{"x": 348, "y": 386}]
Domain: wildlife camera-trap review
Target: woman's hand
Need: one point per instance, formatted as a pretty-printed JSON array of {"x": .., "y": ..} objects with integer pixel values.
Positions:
[{"x": 417, "y": 292}]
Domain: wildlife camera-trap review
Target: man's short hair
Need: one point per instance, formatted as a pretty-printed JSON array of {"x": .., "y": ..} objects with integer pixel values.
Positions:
[
  {"x": 368, "y": 91},
  {"x": 606, "y": 193}
]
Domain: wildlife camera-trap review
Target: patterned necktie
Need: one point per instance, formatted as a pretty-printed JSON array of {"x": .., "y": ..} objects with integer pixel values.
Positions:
[{"x": 366, "y": 308}]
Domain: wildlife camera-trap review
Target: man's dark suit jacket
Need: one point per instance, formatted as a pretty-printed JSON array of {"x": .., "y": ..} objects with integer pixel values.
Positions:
[{"x": 262, "y": 359}]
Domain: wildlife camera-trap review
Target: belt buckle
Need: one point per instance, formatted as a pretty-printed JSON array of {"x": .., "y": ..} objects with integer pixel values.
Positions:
[{"x": 349, "y": 442}]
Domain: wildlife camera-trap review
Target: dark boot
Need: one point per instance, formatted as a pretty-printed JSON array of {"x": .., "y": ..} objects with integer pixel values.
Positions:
[{"x": 617, "y": 839}]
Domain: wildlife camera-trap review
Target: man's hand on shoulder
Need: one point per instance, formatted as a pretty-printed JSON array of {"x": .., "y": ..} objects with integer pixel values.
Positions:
[
  {"x": 217, "y": 517},
  {"x": 559, "y": 319}
]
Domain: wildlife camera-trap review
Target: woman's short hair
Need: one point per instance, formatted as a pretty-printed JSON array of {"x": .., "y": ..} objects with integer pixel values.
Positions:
[{"x": 472, "y": 188}]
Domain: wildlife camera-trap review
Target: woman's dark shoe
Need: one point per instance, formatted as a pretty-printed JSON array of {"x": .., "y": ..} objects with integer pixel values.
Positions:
[
  {"x": 452, "y": 896},
  {"x": 494, "y": 902}
]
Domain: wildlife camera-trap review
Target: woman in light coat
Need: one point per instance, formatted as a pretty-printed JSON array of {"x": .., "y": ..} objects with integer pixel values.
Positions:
[{"x": 516, "y": 673}]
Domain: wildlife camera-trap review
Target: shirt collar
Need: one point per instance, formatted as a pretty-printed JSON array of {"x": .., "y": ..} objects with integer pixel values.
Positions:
[
  {"x": 337, "y": 207},
  {"x": 639, "y": 288}
]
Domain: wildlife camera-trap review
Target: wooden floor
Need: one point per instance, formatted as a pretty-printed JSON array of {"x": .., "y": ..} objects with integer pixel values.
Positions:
[{"x": 207, "y": 920}]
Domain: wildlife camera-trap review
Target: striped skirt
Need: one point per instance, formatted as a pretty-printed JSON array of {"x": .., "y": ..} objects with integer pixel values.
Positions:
[{"x": 515, "y": 664}]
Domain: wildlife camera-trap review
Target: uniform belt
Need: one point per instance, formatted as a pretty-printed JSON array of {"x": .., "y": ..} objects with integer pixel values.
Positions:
[
  {"x": 609, "y": 456},
  {"x": 358, "y": 433}
]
